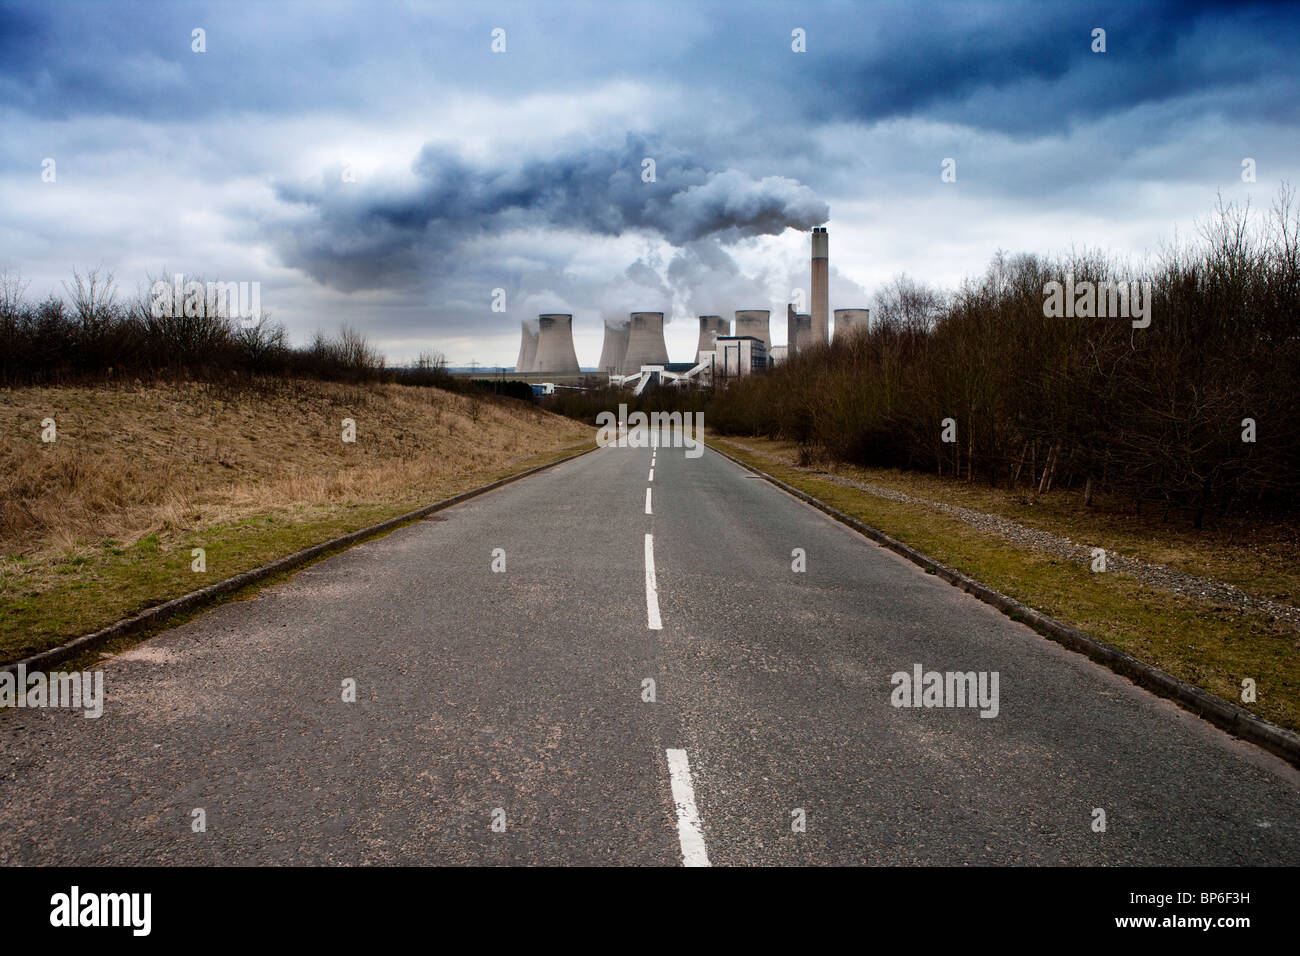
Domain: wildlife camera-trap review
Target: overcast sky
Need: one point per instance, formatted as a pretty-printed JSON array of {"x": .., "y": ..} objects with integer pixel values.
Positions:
[{"x": 382, "y": 165}]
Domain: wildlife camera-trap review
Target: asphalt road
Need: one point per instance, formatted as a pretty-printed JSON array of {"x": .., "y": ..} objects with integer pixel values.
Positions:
[{"x": 501, "y": 716}]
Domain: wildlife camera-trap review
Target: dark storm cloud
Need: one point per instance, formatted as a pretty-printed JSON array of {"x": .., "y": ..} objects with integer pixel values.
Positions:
[
  {"x": 357, "y": 237},
  {"x": 534, "y": 157},
  {"x": 1017, "y": 67}
]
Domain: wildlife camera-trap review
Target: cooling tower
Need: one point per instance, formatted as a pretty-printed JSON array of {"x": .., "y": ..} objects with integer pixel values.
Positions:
[
  {"x": 803, "y": 332},
  {"x": 527, "y": 347},
  {"x": 711, "y": 326},
  {"x": 851, "y": 320},
  {"x": 555, "y": 353},
  {"x": 615, "y": 348},
  {"x": 821, "y": 318},
  {"x": 754, "y": 322},
  {"x": 645, "y": 342}
]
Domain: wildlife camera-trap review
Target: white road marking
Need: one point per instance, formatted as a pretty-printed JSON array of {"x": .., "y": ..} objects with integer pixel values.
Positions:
[
  {"x": 652, "y": 476},
  {"x": 651, "y": 588},
  {"x": 688, "y": 818},
  {"x": 647, "y": 502}
]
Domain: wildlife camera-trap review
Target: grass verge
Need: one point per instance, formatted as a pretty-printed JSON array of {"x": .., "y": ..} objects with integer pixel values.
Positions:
[
  {"x": 88, "y": 591},
  {"x": 1212, "y": 647}
]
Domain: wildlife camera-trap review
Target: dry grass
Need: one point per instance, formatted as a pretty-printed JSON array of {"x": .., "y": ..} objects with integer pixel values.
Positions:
[
  {"x": 1259, "y": 555},
  {"x": 99, "y": 524},
  {"x": 133, "y": 461}
]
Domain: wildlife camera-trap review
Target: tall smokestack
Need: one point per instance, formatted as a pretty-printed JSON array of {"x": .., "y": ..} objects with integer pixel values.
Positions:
[
  {"x": 821, "y": 318},
  {"x": 711, "y": 326},
  {"x": 849, "y": 321},
  {"x": 614, "y": 350},
  {"x": 791, "y": 331},
  {"x": 527, "y": 347},
  {"x": 555, "y": 352},
  {"x": 645, "y": 342},
  {"x": 755, "y": 322}
]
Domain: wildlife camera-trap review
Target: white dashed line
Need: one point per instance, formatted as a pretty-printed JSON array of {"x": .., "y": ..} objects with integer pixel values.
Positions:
[
  {"x": 652, "y": 476},
  {"x": 688, "y": 818},
  {"x": 647, "y": 502},
  {"x": 651, "y": 588}
]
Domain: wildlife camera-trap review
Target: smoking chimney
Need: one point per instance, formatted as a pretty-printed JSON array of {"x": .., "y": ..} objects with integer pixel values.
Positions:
[
  {"x": 555, "y": 352},
  {"x": 848, "y": 321},
  {"x": 615, "y": 348},
  {"x": 645, "y": 342},
  {"x": 821, "y": 319},
  {"x": 527, "y": 347}
]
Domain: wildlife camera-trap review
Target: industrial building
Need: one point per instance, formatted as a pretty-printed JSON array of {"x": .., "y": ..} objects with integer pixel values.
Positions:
[
  {"x": 848, "y": 321},
  {"x": 555, "y": 352},
  {"x": 614, "y": 351},
  {"x": 711, "y": 326},
  {"x": 635, "y": 353},
  {"x": 645, "y": 342},
  {"x": 527, "y": 347}
]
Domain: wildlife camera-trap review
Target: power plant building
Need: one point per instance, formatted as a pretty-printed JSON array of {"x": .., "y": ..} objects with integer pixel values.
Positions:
[
  {"x": 755, "y": 323},
  {"x": 555, "y": 352},
  {"x": 821, "y": 320},
  {"x": 645, "y": 342},
  {"x": 711, "y": 326},
  {"x": 614, "y": 351},
  {"x": 635, "y": 353},
  {"x": 848, "y": 321},
  {"x": 527, "y": 347}
]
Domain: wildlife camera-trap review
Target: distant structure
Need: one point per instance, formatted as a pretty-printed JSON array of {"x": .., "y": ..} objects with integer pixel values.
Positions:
[
  {"x": 849, "y": 321},
  {"x": 527, "y": 346},
  {"x": 555, "y": 352},
  {"x": 645, "y": 342},
  {"x": 803, "y": 332},
  {"x": 711, "y": 326},
  {"x": 635, "y": 353},
  {"x": 737, "y": 356},
  {"x": 821, "y": 319},
  {"x": 614, "y": 351},
  {"x": 755, "y": 323}
]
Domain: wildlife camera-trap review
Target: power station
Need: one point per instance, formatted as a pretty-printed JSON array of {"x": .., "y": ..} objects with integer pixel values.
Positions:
[
  {"x": 635, "y": 353},
  {"x": 711, "y": 326},
  {"x": 645, "y": 342},
  {"x": 555, "y": 352},
  {"x": 614, "y": 351},
  {"x": 850, "y": 320}
]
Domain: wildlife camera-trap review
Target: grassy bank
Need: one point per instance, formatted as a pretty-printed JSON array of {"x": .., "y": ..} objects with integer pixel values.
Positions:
[
  {"x": 101, "y": 523},
  {"x": 1208, "y": 645}
]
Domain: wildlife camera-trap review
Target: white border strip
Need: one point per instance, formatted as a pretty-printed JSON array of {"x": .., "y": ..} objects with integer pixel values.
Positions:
[
  {"x": 694, "y": 852},
  {"x": 651, "y": 588}
]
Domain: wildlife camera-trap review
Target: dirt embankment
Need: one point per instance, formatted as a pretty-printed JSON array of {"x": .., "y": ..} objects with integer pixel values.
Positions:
[{"x": 133, "y": 460}]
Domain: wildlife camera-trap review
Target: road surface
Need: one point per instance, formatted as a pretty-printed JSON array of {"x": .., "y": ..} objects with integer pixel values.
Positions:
[{"x": 503, "y": 717}]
